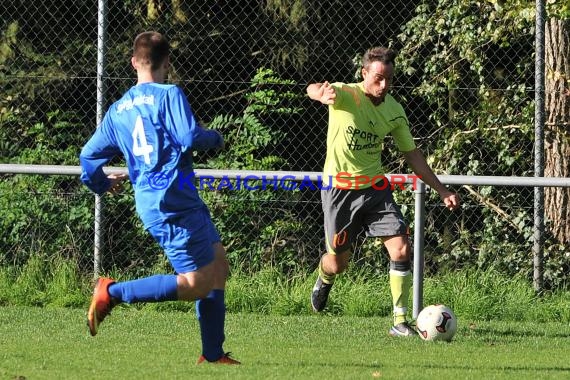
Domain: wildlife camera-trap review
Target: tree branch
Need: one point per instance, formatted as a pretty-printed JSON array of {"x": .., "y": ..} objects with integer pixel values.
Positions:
[{"x": 502, "y": 213}]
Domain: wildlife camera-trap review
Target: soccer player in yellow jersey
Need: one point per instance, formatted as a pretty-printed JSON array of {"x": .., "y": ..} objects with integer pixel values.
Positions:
[{"x": 360, "y": 117}]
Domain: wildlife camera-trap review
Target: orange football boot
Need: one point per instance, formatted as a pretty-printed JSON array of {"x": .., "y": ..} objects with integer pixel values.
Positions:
[
  {"x": 225, "y": 359},
  {"x": 101, "y": 304}
]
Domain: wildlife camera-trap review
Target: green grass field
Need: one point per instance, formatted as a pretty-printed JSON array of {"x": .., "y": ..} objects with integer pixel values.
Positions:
[{"x": 53, "y": 343}]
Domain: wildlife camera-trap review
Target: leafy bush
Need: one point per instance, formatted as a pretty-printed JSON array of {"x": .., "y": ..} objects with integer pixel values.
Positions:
[
  {"x": 476, "y": 87},
  {"x": 260, "y": 228}
]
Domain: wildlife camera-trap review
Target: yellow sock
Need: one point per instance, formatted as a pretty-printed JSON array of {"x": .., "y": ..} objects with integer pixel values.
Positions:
[
  {"x": 326, "y": 277},
  {"x": 400, "y": 284}
]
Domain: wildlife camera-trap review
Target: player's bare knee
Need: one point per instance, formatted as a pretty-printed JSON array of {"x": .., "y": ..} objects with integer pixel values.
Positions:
[
  {"x": 221, "y": 272},
  {"x": 221, "y": 264},
  {"x": 223, "y": 267},
  {"x": 400, "y": 254},
  {"x": 203, "y": 291},
  {"x": 398, "y": 248},
  {"x": 202, "y": 287},
  {"x": 196, "y": 285}
]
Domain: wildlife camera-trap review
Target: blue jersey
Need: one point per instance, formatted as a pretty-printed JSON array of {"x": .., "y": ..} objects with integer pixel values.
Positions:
[{"x": 154, "y": 128}]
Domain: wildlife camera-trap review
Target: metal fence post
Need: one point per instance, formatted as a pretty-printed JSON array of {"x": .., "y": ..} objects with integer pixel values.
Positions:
[
  {"x": 539, "y": 110},
  {"x": 101, "y": 43},
  {"x": 97, "y": 242},
  {"x": 419, "y": 224}
]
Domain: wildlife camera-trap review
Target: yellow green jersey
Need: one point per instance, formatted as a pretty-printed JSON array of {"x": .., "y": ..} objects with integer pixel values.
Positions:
[{"x": 355, "y": 135}]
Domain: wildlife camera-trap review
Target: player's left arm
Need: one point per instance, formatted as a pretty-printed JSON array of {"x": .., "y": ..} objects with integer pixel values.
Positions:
[
  {"x": 207, "y": 139},
  {"x": 419, "y": 165},
  {"x": 183, "y": 126}
]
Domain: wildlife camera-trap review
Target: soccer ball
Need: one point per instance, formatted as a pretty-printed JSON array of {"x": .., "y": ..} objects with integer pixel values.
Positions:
[{"x": 436, "y": 322}]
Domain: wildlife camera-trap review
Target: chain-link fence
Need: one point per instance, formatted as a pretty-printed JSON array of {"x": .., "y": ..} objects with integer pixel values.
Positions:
[{"x": 464, "y": 75}]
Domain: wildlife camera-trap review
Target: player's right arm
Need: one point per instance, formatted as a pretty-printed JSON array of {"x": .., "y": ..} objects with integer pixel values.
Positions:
[
  {"x": 95, "y": 154},
  {"x": 322, "y": 92}
]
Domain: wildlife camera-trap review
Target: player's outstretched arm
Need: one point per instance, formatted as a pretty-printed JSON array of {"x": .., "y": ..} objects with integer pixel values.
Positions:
[
  {"x": 419, "y": 165},
  {"x": 323, "y": 92}
]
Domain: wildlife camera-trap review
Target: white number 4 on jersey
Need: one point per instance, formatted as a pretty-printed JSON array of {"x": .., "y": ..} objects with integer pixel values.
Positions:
[{"x": 140, "y": 145}]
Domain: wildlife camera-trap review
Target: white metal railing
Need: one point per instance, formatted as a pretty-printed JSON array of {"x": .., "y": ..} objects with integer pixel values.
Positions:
[{"x": 419, "y": 203}]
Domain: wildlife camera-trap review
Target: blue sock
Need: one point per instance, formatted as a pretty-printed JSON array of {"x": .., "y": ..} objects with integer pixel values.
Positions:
[
  {"x": 149, "y": 289},
  {"x": 211, "y": 312}
]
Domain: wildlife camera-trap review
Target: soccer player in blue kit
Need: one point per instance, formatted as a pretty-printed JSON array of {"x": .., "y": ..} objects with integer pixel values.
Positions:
[{"x": 154, "y": 128}]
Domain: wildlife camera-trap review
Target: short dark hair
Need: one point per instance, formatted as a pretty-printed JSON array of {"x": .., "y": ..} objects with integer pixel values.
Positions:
[
  {"x": 151, "y": 48},
  {"x": 378, "y": 53}
]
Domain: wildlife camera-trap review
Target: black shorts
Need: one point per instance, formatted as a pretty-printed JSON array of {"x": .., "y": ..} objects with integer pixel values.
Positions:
[{"x": 348, "y": 212}]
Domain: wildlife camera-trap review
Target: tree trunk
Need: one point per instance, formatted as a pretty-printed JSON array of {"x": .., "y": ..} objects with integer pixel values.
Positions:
[{"x": 557, "y": 129}]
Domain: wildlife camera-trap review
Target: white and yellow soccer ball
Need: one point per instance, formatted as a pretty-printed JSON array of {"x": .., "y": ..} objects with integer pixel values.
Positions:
[{"x": 436, "y": 322}]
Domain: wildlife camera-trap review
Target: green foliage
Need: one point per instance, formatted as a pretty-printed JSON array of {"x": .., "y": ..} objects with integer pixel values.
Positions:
[
  {"x": 7, "y": 40},
  {"x": 473, "y": 67},
  {"x": 269, "y": 97},
  {"x": 38, "y": 110},
  {"x": 250, "y": 138},
  {"x": 259, "y": 227},
  {"x": 43, "y": 280},
  {"x": 129, "y": 250},
  {"x": 475, "y": 83},
  {"x": 558, "y": 8},
  {"x": 472, "y": 294},
  {"x": 37, "y": 219},
  {"x": 473, "y": 61}
]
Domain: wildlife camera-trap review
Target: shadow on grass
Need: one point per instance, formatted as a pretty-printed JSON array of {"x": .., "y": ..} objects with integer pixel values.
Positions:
[
  {"x": 377, "y": 366},
  {"x": 496, "y": 368},
  {"x": 518, "y": 333}
]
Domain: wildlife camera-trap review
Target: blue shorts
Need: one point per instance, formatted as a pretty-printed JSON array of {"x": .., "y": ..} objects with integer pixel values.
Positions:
[{"x": 187, "y": 240}]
